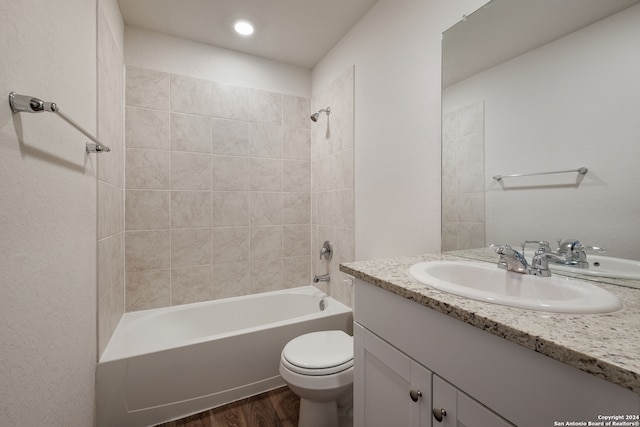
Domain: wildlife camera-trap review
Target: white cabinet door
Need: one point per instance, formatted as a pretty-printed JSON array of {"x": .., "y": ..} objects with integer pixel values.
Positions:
[
  {"x": 456, "y": 409},
  {"x": 389, "y": 388}
]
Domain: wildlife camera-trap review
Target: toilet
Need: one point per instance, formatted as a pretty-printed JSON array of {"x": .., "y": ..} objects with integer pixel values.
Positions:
[{"x": 318, "y": 367}]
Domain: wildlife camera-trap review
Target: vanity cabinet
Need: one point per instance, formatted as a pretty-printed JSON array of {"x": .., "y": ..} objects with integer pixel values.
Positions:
[
  {"x": 480, "y": 379},
  {"x": 456, "y": 408},
  {"x": 391, "y": 389}
]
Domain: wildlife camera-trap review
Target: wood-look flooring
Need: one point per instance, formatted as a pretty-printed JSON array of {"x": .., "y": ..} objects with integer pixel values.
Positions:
[{"x": 275, "y": 408}]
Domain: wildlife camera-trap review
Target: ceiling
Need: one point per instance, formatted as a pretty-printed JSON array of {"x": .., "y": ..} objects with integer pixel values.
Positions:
[
  {"x": 297, "y": 32},
  {"x": 504, "y": 29}
]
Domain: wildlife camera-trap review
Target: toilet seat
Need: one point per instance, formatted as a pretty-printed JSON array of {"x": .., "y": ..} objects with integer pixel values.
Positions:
[{"x": 319, "y": 353}]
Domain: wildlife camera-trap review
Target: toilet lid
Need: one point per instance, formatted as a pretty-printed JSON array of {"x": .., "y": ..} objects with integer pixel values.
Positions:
[{"x": 319, "y": 353}]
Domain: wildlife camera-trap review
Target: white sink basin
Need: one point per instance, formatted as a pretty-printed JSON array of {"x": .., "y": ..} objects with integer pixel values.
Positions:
[{"x": 487, "y": 282}]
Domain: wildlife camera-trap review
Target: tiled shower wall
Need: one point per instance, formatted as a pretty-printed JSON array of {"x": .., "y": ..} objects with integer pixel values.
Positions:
[
  {"x": 333, "y": 184},
  {"x": 218, "y": 190},
  {"x": 110, "y": 177},
  {"x": 463, "y": 207}
]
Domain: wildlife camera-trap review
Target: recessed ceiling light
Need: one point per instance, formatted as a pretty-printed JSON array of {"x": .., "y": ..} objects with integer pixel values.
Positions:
[{"x": 243, "y": 27}]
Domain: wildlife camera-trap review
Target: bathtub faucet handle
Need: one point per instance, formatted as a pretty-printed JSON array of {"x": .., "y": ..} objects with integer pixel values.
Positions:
[{"x": 326, "y": 251}]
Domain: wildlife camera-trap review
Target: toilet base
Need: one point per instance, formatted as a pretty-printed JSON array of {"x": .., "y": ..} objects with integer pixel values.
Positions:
[
  {"x": 318, "y": 414},
  {"x": 334, "y": 413}
]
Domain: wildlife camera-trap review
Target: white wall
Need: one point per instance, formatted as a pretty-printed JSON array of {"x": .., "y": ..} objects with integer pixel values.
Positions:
[
  {"x": 160, "y": 52},
  {"x": 396, "y": 50},
  {"x": 47, "y": 216},
  {"x": 576, "y": 105}
]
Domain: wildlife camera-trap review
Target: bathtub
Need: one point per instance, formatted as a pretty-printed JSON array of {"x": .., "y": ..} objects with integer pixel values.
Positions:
[{"x": 168, "y": 363}]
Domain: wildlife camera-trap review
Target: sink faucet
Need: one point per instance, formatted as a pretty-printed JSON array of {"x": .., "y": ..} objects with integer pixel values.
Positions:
[
  {"x": 574, "y": 252},
  {"x": 512, "y": 260}
]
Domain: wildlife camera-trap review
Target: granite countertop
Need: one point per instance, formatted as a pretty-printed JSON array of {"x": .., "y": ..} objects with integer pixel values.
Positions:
[{"x": 605, "y": 345}]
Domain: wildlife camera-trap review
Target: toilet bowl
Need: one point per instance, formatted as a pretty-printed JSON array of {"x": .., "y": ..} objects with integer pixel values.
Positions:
[{"x": 318, "y": 367}]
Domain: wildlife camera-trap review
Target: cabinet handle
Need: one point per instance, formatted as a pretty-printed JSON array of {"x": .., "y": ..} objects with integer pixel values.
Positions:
[
  {"x": 439, "y": 414},
  {"x": 415, "y": 395}
]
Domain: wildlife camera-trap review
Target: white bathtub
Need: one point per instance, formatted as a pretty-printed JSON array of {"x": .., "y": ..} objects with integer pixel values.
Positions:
[{"x": 168, "y": 363}]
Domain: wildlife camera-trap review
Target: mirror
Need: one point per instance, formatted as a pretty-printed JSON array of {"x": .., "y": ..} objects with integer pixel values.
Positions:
[{"x": 531, "y": 87}]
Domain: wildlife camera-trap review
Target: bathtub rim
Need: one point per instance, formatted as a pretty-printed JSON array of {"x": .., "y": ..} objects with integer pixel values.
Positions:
[{"x": 335, "y": 307}]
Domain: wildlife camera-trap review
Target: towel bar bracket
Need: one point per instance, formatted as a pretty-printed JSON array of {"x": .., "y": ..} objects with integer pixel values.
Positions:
[
  {"x": 93, "y": 147},
  {"x": 31, "y": 104}
]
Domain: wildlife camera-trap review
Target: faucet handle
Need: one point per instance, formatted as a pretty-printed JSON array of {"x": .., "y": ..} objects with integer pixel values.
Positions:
[
  {"x": 543, "y": 246},
  {"x": 567, "y": 246},
  {"x": 326, "y": 251},
  {"x": 570, "y": 246},
  {"x": 593, "y": 248},
  {"x": 508, "y": 251},
  {"x": 511, "y": 259},
  {"x": 501, "y": 249}
]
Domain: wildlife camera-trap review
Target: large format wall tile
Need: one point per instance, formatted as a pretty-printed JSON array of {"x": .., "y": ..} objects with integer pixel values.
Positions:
[
  {"x": 190, "y": 247},
  {"x": 111, "y": 262},
  {"x": 296, "y": 176},
  {"x": 266, "y": 174},
  {"x": 266, "y": 275},
  {"x": 230, "y": 102},
  {"x": 265, "y": 107},
  {"x": 296, "y": 271},
  {"x": 148, "y": 289},
  {"x": 110, "y": 173},
  {"x": 190, "y": 132},
  {"x": 296, "y": 208},
  {"x": 265, "y": 140},
  {"x": 230, "y": 173},
  {"x": 191, "y": 284},
  {"x": 190, "y": 171},
  {"x": 147, "y": 128},
  {"x": 266, "y": 208},
  {"x": 230, "y": 244},
  {"x": 332, "y": 182},
  {"x": 147, "y": 88},
  {"x": 191, "y": 95},
  {"x": 463, "y": 217},
  {"x": 147, "y": 250},
  {"x": 296, "y": 144},
  {"x": 231, "y": 279},
  {"x": 218, "y": 199},
  {"x": 230, "y": 137},
  {"x": 295, "y": 112},
  {"x": 110, "y": 214},
  {"x": 266, "y": 242},
  {"x": 296, "y": 240},
  {"x": 147, "y": 210},
  {"x": 191, "y": 209},
  {"x": 231, "y": 208},
  {"x": 148, "y": 169}
]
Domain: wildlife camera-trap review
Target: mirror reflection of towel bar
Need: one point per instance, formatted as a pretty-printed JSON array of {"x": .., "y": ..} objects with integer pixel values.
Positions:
[
  {"x": 31, "y": 104},
  {"x": 581, "y": 170}
]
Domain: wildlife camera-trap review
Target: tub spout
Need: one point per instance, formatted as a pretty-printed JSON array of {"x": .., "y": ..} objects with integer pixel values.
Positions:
[{"x": 321, "y": 278}]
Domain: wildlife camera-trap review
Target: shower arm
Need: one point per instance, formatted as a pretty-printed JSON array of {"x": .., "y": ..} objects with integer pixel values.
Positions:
[{"x": 314, "y": 116}]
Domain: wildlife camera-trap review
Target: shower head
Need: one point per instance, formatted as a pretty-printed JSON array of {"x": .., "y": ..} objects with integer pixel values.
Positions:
[{"x": 314, "y": 116}]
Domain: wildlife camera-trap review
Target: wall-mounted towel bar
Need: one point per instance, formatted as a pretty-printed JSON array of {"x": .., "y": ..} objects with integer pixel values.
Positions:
[
  {"x": 581, "y": 170},
  {"x": 31, "y": 104}
]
